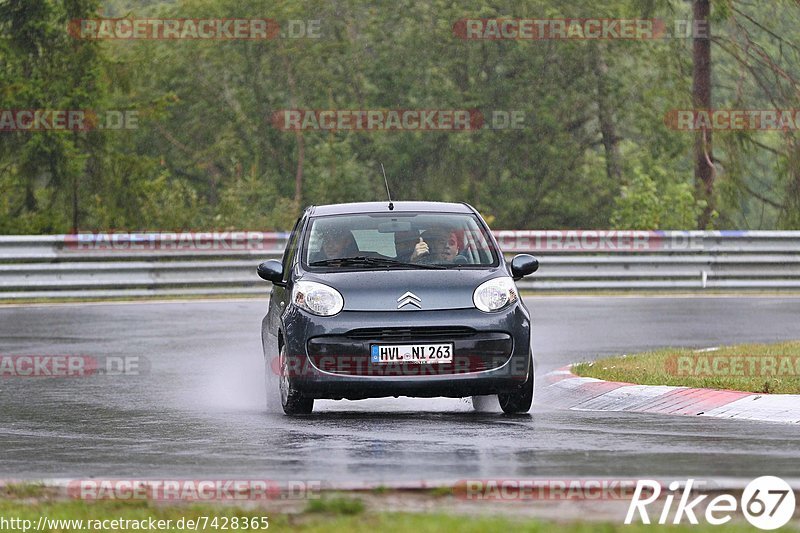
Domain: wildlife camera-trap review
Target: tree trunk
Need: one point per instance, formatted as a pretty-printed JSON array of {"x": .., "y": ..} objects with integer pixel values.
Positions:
[
  {"x": 701, "y": 99},
  {"x": 75, "y": 204},
  {"x": 298, "y": 177},
  {"x": 790, "y": 216},
  {"x": 605, "y": 116},
  {"x": 301, "y": 147}
]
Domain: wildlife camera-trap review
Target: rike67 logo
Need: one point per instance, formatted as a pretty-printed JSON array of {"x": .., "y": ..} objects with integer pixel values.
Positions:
[{"x": 767, "y": 502}]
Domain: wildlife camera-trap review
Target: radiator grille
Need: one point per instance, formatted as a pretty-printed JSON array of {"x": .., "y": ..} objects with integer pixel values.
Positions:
[{"x": 411, "y": 333}]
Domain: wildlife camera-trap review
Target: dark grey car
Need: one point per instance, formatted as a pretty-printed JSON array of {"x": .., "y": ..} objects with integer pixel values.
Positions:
[{"x": 405, "y": 299}]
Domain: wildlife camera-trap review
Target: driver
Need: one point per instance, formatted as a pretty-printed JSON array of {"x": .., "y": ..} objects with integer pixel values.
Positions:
[{"x": 336, "y": 243}]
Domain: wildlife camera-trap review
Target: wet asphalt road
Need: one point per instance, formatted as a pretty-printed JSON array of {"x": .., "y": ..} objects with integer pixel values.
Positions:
[{"x": 199, "y": 413}]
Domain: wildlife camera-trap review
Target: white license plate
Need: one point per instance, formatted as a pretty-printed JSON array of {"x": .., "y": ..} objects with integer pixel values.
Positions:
[{"x": 411, "y": 353}]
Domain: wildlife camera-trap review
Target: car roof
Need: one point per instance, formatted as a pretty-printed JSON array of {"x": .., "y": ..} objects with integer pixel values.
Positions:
[{"x": 383, "y": 207}]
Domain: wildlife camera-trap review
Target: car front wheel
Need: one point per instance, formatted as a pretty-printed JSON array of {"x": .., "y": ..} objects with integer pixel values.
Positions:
[
  {"x": 291, "y": 400},
  {"x": 519, "y": 401}
]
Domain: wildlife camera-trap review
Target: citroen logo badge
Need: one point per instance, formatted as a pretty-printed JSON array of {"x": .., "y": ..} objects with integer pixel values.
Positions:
[{"x": 409, "y": 298}]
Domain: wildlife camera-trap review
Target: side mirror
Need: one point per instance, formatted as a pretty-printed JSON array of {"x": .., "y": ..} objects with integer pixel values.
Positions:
[
  {"x": 271, "y": 270},
  {"x": 522, "y": 265}
]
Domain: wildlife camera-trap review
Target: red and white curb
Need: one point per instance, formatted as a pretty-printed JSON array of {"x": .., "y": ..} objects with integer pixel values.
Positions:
[{"x": 563, "y": 389}]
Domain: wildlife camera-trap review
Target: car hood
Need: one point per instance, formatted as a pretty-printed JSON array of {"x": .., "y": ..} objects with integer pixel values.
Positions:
[{"x": 383, "y": 290}]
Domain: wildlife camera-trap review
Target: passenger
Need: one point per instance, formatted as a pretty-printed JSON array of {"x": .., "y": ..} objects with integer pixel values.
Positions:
[{"x": 437, "y": 245}]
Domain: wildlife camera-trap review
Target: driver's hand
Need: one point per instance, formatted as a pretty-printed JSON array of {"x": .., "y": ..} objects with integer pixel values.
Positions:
[{"x": 420, "y": 249}]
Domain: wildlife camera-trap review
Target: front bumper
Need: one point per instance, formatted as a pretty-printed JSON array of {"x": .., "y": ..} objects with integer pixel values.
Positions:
[{"x": 328, "y": 357}]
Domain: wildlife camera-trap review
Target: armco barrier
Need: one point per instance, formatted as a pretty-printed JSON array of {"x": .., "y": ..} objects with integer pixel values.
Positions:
[{"x": 172, "y": 264}]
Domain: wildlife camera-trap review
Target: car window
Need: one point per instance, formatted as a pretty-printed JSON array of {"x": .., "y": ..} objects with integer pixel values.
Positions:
[
  {"x": 291, "y": 249},
  {"x": 373, "y": 241},
  {"x": 426, "y": 238}
]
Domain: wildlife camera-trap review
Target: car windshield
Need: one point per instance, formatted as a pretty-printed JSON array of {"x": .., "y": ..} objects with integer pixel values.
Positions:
[{"x": 398, "y": 240}]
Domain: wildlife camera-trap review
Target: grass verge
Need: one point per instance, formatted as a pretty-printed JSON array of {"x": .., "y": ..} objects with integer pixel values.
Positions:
[
  {"x": 758, "y": 368},
  {"x": 329, "y": 518}
]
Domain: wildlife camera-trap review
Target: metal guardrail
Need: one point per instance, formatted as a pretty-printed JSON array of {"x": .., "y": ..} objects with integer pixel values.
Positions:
[{"x": 169, "y": 264}]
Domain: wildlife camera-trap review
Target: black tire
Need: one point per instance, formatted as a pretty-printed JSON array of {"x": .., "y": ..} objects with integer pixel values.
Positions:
[
  {"x": 519, "y": 401},
  {"x": 292, "y": 401}
]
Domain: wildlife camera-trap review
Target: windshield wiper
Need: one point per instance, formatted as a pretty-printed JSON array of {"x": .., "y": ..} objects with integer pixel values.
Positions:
[{"x": 373, "y": 261}]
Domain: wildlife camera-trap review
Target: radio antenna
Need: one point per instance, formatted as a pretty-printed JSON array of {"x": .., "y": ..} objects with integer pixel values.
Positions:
[{"x": 391, "y": 205}]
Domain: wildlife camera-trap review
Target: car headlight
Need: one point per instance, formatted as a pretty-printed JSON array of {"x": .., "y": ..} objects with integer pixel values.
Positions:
[
  {"x": 495, "y": 294},
  {"x": 317, "y": 298}
]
